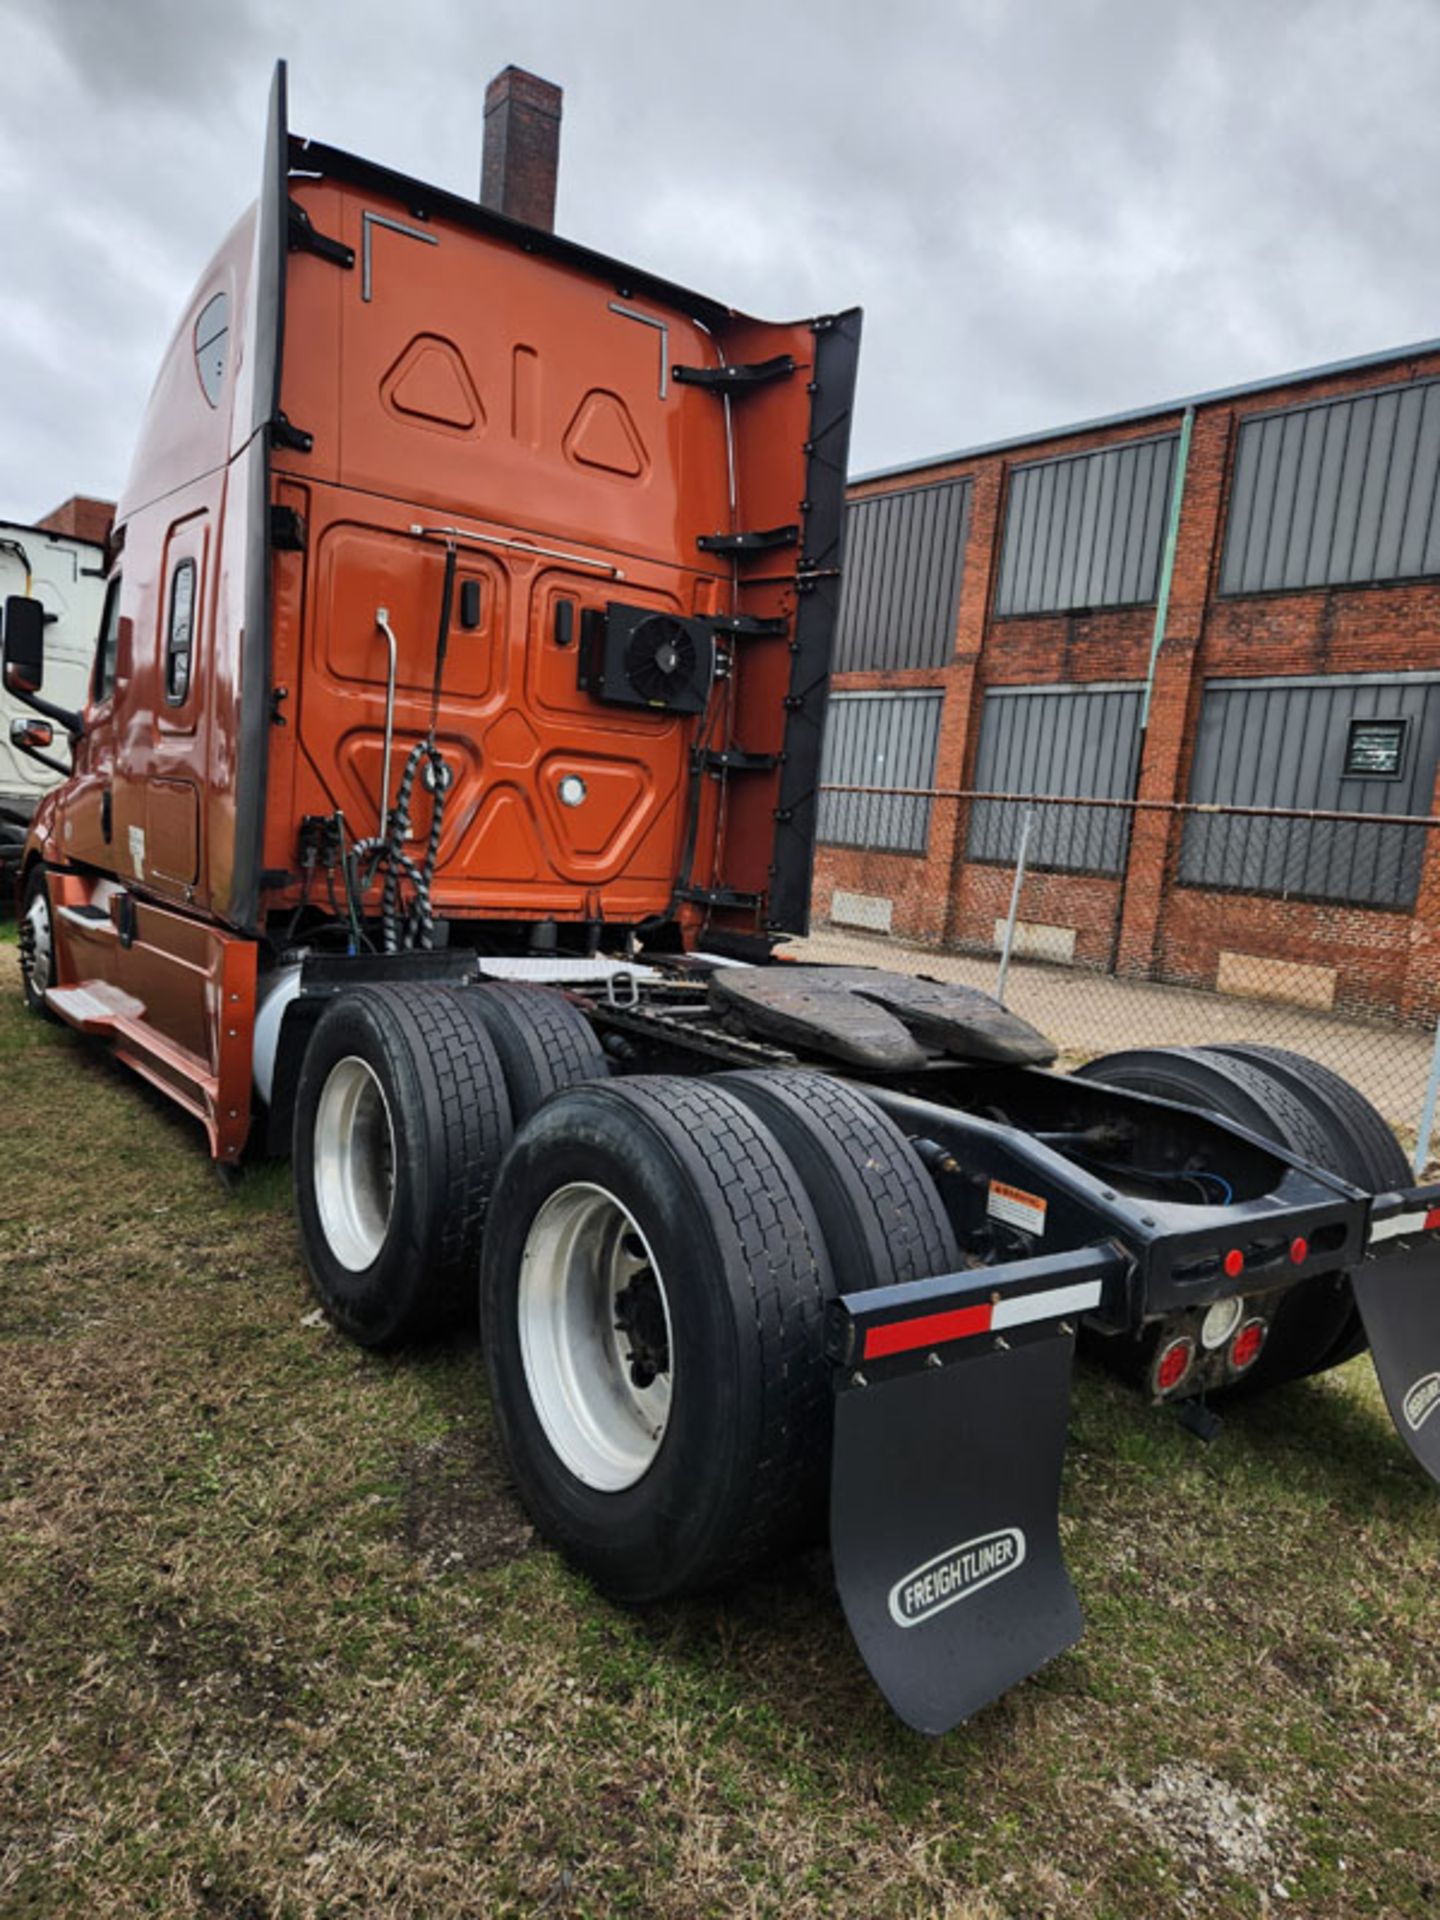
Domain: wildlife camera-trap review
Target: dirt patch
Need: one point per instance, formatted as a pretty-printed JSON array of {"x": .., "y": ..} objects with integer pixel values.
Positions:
[
  {"x": 214, "y": 1667},
  {"x": 461, "y": 1513},
  {"x": 1212, "y": 1824}
]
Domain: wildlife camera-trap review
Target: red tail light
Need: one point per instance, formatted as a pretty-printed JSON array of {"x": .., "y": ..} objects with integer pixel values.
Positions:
[
  {"x": 1299, "y": 1250},
  {"x": 1245, "y": 1347},
  {"x": 1234, "y": 1263},
  {"x": 1173, "y": 1364}
]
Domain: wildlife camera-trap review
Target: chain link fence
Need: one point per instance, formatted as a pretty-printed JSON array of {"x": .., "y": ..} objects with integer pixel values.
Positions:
[{"x": 1111, "y": 924}]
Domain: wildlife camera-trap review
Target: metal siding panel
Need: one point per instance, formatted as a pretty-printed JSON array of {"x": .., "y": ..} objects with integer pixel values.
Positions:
[
  {"x": 1283, "y": 746},
  {"x": 1012, "y": 542},
  {"x": 1287, "y": 472},
  {"x": 1399, "y": 483},
  {"x": 1104, "y": 520},
  {"x": 1258, "y": 536},
  {"x": 1352, "y": 485},
  {"x": 880, "y": 739},
  {"x": 1241, "y": 508},
  {"x": 1130, "y": 533},
  {"x": 1421, "y": 502},
  {"x": 1056, "y": 500},
  {"x": 1307, "y": 484},
  {"x": 1037, "y": 509},
  {"x": 1373, "y": 487},
  {"x": 1085, "y": 532},
  {"x": 903, "y": 579},
  {"x": 1072, "y": 742},
  {"x": 1156, "y": 517},
  {"x": 1113, "y": 594},
  {"x": 1327, "y": 494}
]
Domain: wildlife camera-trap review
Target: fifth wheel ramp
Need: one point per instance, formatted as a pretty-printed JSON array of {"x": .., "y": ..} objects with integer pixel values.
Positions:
[{"x": 868, "y": 1018}]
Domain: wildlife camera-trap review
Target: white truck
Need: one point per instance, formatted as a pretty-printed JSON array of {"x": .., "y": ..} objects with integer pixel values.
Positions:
[{"x": 67, "y": 576}]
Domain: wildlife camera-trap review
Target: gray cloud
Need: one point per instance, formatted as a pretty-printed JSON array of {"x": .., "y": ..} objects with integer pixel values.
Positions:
[{"x": 1048, "y": 211}]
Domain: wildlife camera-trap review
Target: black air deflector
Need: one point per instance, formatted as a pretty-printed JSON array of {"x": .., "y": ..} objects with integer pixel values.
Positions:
[{"x": 639, "y": 657}]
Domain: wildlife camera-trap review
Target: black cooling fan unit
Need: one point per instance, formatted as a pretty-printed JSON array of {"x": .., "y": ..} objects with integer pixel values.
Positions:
[
  {"x": 661, "y": 658},
  {"x": 641, "y": 658}
]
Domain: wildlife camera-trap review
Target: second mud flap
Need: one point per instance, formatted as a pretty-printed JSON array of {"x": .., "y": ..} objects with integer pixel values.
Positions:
[
  {"x": 1397, "y": 1288},
  {"x": 944, "y": 1522}
]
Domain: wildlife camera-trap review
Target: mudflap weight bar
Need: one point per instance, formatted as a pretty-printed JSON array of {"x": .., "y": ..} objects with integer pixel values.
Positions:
[{"x": 951, "y": 1409}]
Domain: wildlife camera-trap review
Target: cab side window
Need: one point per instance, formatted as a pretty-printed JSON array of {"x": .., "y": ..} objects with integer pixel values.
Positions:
[
  {"x": 180, "y": 634},
  {"x": 103, "y": 683}
]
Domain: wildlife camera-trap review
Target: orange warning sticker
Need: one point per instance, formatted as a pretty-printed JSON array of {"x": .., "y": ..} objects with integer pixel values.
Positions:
[{"x": 1016, "y": 1208}]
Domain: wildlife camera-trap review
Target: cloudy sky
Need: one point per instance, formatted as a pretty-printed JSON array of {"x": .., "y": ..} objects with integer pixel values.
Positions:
[{"x": 1049, "y": 209}]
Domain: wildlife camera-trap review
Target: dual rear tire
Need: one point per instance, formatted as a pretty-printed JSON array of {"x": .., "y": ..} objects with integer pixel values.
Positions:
[
  {"x": 654, "y": 1284},
  {"x": 407, "y": 1101},
  {"x": 656, "y": 1256},
  {"x": 1313, "y": 1113}
]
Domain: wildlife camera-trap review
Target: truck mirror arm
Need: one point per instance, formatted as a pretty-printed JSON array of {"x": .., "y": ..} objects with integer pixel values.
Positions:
[
  {"x": 73, "y": 723},
  {"x": 45, "y": 759}
]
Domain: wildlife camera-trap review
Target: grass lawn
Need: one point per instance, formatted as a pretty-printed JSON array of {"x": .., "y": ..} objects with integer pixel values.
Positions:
[{"x": 276, "y": 1639}]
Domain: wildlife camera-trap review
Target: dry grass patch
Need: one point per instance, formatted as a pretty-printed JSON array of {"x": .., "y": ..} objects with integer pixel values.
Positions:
[{"x": 276, "y": 1640}]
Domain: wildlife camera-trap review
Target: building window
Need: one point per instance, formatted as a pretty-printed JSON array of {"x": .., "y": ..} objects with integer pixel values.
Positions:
[
  {"x": 107, "y": 647},
  {"x": 1078, "y": 742},
  {"x": 904, "y": 566},
  {"x": 1375, "y": 749},
  {"x": 1348, "y": 743},
  {"x": 212, "y": 340},
  {"x": 1339, "y": 494},
  {"x": 179, "y": 634},
  {"x": 1086, "y": 531},
  {"x": 879, "y": 740}
]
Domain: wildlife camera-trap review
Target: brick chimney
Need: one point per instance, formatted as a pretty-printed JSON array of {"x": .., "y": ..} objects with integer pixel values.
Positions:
[
  {"x": 81, "y": 518},
  {"x": 522, "y": 147}
]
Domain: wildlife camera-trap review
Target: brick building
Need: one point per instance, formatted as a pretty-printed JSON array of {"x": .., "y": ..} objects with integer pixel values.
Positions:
[
  {"x": 1016, "y": 619},
  {"x": 81, "y": 518}
]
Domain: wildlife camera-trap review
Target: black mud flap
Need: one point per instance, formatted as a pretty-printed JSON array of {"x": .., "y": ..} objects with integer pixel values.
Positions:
[
  {"x": 1397, "y": 1289},
  {"x": 944, "y": 1521}
]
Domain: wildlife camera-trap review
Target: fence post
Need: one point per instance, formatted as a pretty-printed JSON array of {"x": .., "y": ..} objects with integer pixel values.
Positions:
[
  {"x": 1026, "y": 826},
  {"x": 1427, "y": 1114}
]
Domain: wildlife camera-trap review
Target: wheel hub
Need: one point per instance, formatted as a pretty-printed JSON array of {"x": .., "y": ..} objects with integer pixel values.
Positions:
[
  {"x": 354, "y": 1163},
  {"x": 641, "y": 1320},
  {"x": 595, "y": 1337},
  {"x": 36, "y": 948}
]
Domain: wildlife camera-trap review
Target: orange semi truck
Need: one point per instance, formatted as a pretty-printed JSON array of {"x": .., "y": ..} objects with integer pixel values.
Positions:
[{"x": 447, "y": 778}]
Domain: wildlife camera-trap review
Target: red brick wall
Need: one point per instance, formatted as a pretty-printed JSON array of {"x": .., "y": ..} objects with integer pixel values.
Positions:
[
  {"x": 1382, "y": 960},
  {"x": 81, "y": 518}
]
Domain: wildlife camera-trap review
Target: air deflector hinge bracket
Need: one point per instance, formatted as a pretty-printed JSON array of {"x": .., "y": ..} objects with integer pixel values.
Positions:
[
  {"x": 304, "y": 237},
  {"x": 760, "y": 542},
  {"x": 734, "y": 760},
  {"x": 743, "y": 625},
  {"x": 737, "y": 379},
  {"x": 284, "y": 433}
]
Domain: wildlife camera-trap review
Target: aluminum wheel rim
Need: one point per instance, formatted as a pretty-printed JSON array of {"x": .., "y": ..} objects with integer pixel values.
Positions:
[
  {"x": 583, "y": 1252},
  {"x": 38, "y": 952},
  {"x": 354, "y": 1163}
]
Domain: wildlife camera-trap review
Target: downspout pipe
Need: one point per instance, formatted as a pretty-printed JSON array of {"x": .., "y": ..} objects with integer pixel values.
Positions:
[
  {"x": 1157, "y": 636},
  {"x": 1167, "y": 574}
]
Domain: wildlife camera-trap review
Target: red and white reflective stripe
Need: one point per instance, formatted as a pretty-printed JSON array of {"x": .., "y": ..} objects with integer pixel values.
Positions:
[
  {"x": 1403, "y": 1223},
  {"x": 989, "y": 1316}
]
